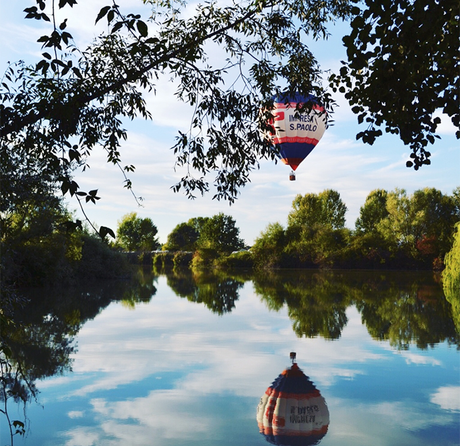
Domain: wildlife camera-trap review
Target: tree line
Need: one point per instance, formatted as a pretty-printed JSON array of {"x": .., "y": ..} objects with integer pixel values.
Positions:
[
  {"x": 393, "y": 230},
  {"x": 41, "y": 244}
]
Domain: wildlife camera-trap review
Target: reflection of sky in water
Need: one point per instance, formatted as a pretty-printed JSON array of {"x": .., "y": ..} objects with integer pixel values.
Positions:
[{"x": 172, "y": 373}]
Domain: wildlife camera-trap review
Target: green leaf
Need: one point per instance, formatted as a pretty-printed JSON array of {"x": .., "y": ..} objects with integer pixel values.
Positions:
[
  {"x": 103, "y": 231},
  {"x": 62, "y": 3},
  {"x": 142, "y": 28},
  {"x": 74, "y": 155},
  {"x": 77, "y": 72},
  {"x": 102, "y": 13},
  {"x": 116, "y": 27},
  {"x": 19, "y": 426},
  {"x": 110, "y": 16},
  {"x": 73, "y": 187}
]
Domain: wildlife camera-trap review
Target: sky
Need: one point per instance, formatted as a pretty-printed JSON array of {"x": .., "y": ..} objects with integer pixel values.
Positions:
[{"x": 339, "y": 162}]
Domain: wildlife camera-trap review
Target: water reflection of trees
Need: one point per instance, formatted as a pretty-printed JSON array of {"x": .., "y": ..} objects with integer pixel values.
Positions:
[
  {"x": 217, "y": 290},
  {"x": 38, "y": 328},
  {"x": 316, "y": 302},
  {"x": 402, "y": 308},
  {"x": 408, "y": 312}
]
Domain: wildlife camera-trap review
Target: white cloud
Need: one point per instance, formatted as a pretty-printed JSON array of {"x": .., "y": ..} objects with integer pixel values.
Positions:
[
  {"x": 412, "y": 358},
  {"x": 387, "y": 423},
  {"x": 447, "y": 397},
  {"x": 80, "y": 436},
  {"x": 129, "y": 346}
]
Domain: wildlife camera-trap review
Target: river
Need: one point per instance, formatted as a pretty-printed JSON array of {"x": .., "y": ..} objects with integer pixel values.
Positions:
[{"x": 179, "y": 360}]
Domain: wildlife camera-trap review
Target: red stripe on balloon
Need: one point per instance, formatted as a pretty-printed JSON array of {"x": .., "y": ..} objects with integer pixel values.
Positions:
[{"x": 301, "y": 139}]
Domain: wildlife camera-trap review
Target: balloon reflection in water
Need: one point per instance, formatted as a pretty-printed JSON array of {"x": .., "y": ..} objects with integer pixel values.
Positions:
[{"x": 292, "y": 410}]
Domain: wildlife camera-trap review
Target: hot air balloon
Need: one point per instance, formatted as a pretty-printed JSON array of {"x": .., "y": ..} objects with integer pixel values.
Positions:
[
  {"x": 292, "y": 410},
  {"x": 296, "y": 133}
]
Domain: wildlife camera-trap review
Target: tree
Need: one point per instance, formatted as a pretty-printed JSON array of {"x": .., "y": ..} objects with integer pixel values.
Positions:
[
  {"x": 403, "y": 70},
  {"x": 435, "y": 218},
  {"x": 315, "y": 234},
  {"x": 73, "y": 100},
  {"x": 456, "y": 200},
  {"x": 136, "y": 233},
  {"x": 221, "y": 234},
  {"x": 268, "y": 248},
  {"x": 36, "y": 244},
  {"x": 182, "y": 238},
  {"x": 421, "y": 225},
  {"x": 325, "y": 208},
  {"x": 451, "y": 278},
  {"x": 397, "y": 228},
  {"x": 451, "y": 275},
  {"x": 372, "y": 212}
]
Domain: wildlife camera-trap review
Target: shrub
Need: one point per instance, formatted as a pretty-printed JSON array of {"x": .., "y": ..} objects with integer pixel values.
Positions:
[
  {"x": 241, "y": 259},
  {"x": 182, "y": 258}
]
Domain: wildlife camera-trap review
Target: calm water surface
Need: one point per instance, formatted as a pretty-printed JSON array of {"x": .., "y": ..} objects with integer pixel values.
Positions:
[{"x": 180, "y": 360}]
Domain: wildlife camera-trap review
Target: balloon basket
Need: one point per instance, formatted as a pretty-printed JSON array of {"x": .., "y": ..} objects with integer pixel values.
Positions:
[{"x": 292, "y": 176}]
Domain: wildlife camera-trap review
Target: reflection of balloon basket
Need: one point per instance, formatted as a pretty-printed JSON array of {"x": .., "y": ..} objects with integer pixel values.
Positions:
[
  {"x": 292, "y": 176},
  {"x": 292, "y": 411}
]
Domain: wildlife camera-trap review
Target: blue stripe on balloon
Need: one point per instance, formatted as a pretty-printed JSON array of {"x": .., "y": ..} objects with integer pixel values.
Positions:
[{"x": 295, "y": 150}]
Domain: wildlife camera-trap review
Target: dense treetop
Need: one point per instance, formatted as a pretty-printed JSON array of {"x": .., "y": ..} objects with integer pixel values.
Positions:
[{"x": 136, "y": 233}]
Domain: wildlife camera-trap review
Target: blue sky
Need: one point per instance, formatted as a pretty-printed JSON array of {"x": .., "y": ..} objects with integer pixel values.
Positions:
[{"x": 339, "y": 162}]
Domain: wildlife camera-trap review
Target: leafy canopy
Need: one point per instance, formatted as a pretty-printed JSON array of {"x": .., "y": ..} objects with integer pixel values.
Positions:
[
  {"x": 135, "y": 233},
  {"x": 372, "y": 212},
  {"x": 325, "y": 208},
  {"x": 403, "y": 70},
  {"x": 221, "y": 234},
  {"x": 182, "y": 238}
]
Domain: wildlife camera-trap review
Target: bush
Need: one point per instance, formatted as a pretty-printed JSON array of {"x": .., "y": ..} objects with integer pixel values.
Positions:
[
  {"x": 204, "y": 258},
  {"x": 163, "y": 259},
  {"x": 182, "y": 258},
  {"x": 241, "y": 259},
  {"x": 99, "y": 261}
]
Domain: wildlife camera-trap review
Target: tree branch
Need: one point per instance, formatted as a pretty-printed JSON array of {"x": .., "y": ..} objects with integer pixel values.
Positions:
[{"x": 33, "y": 116}]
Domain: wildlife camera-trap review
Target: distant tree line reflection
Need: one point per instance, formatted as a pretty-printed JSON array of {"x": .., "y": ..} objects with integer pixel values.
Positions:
[
  {"x": 402, "y": 308},
  {"x": 399, "y": 307}
]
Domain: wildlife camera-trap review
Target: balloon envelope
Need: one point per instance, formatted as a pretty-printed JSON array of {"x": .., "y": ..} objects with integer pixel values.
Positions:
[
  {"x": 297, "y": 133},
  {"x": 292, "y": 410}
]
